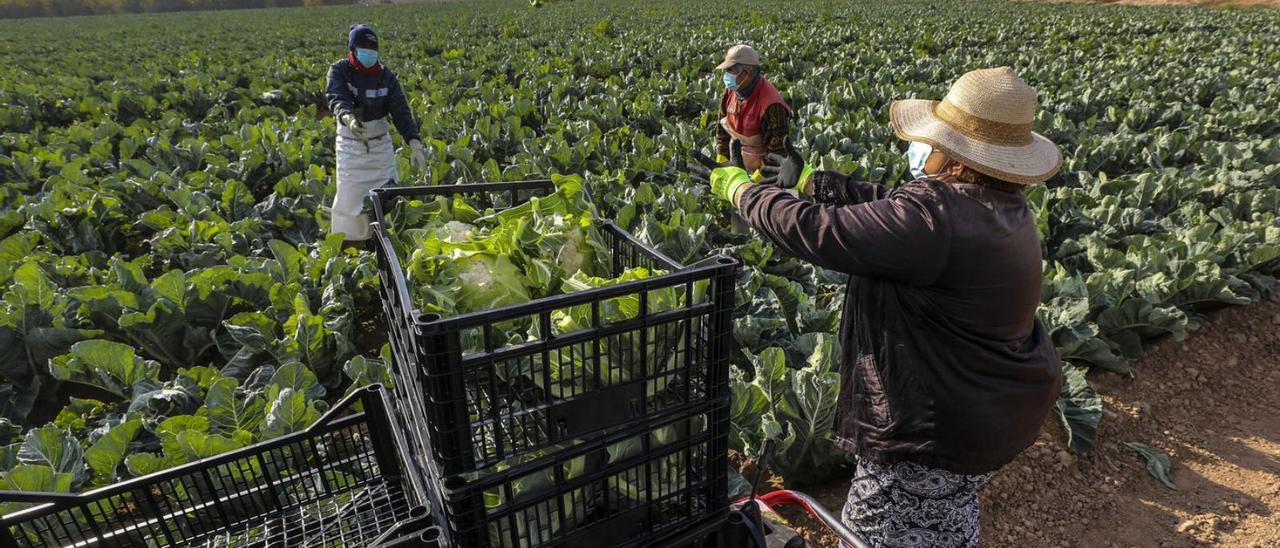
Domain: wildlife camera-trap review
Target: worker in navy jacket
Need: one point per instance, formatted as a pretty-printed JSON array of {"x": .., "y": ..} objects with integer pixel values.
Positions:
[{"x": 362, "y": 93}]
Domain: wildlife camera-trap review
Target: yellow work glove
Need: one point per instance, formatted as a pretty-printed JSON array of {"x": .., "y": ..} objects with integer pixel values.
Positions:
[
  {"x": 725, "y": 177},
  {"x": 725, "y": 181}
]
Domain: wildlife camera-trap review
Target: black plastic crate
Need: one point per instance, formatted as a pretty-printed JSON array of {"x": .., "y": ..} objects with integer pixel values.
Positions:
[
  {"x": 715, "y": 531},
  {"x": 419, "y": 531},
  {"x": 644, "y": 486},
  {"x": 462, "y": 408},
  {"x": 337, "y": 483}
]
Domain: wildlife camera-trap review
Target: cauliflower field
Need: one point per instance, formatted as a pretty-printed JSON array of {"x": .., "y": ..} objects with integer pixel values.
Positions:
[{"x": 169, "y": 291}]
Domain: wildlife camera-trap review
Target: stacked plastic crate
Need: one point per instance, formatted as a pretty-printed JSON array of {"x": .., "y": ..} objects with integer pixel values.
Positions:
[
  {"x": 612, "y": 434},
  {"x": 337, "y": 483}
]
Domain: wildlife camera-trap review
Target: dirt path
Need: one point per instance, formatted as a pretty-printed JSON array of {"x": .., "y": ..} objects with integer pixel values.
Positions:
[{"x": 1212, "y": 403}]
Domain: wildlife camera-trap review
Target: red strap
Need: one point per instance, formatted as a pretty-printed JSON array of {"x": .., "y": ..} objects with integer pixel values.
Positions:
[{"x": 355, "y": 63}]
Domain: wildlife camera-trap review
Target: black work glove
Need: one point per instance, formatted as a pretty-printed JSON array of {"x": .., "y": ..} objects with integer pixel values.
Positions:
[
  {"x": 790, "y": 171},
  {"x": 701, "y": 166},
  {"x": 725, "y": 178}
]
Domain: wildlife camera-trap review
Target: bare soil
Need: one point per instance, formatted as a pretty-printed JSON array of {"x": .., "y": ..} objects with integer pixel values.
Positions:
[{"x": 1211, "y": 402}]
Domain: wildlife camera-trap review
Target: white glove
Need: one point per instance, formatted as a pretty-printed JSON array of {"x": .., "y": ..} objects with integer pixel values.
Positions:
[
  {"x": 353, "y": 124},
  {"x": 417, "y": 155}
]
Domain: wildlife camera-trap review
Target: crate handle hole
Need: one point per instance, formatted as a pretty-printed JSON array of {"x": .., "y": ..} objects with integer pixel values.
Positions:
[
  {"x": 432, "y": 534},
  {"x": 736, "y": 518}
]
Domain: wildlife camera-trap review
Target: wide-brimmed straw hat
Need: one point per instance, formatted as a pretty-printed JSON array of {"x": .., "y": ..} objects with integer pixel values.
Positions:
[{"x": 984, "y": 122}]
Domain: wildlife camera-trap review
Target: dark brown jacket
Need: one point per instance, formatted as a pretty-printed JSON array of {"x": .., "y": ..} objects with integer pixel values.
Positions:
[{"x": 944, "y": 361}]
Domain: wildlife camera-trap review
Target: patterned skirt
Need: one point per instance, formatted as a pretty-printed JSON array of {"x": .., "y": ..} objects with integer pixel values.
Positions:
[{"x": 906, "y": 504}]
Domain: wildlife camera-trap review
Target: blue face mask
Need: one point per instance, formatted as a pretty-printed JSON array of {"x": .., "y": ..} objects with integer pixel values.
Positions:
[
  {"x": 731, "y": 81},
  {"x": 367, "y": 57},
  {"x": 917, "y": 154}
]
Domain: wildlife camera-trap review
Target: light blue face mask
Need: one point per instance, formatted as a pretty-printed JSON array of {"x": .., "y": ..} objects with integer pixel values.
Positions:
[
  {"x": 731, "y": 81},
  {"x": 917, "y": 154},
  {"x": 367, "y": 57}
]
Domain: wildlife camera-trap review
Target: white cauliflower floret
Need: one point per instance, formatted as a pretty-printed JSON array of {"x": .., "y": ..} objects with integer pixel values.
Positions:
[
  {"x": 477, "y": 275},
  {"x": 456, "y": 231},
  {"x": 570, "y": 257},
  {"x": 489, "y": 281}
]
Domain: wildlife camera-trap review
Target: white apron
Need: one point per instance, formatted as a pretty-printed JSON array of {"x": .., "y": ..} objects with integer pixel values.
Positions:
[{"x": 363, "y": 165}]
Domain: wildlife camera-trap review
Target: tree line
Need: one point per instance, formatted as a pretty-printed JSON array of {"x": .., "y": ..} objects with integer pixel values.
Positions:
[{"x": 59, "y": 8}]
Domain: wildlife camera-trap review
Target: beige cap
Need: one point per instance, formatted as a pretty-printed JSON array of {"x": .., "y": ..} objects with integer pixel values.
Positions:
[
  {"x": 984, "y": 122},
  {"x": 740, "y": 54}
]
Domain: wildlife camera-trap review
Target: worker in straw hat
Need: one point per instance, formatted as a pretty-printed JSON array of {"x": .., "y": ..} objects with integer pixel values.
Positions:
[
  {"x": 946, "y": 373},
  {"x": 752, "y": 112}
]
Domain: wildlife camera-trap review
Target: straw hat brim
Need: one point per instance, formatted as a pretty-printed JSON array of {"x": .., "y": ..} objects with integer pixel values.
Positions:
[{"x": 1035, "y": 162}]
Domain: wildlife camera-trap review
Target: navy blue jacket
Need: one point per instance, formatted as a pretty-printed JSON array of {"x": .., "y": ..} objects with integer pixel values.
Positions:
[{"x": 376, "y": 95}]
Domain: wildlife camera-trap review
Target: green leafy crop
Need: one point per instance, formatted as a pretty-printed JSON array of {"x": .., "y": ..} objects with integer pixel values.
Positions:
[{"x": 174, "y": 200}]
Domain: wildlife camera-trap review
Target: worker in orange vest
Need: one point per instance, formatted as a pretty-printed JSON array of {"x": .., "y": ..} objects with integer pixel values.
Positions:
[{"x": 752, "y": 111}]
